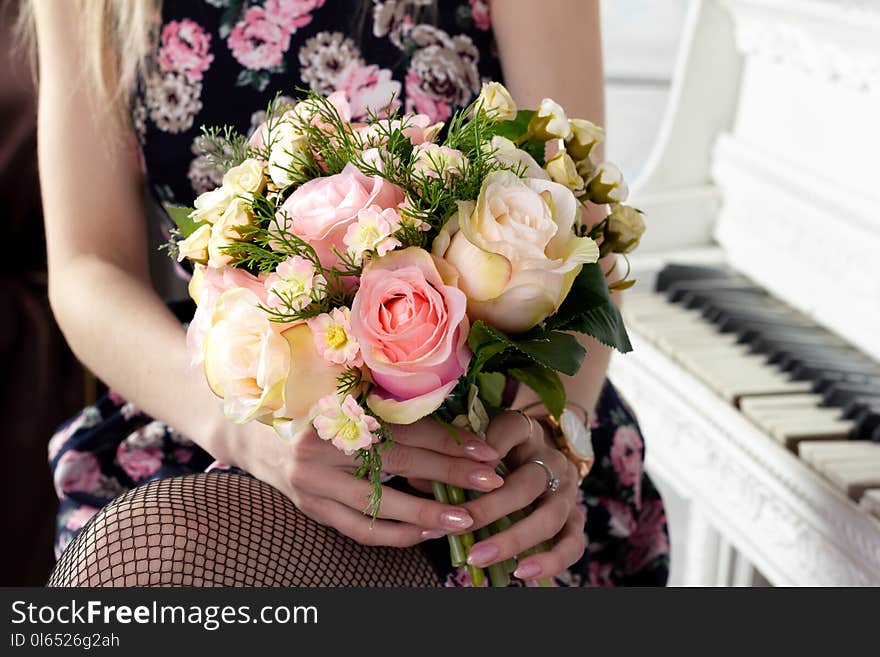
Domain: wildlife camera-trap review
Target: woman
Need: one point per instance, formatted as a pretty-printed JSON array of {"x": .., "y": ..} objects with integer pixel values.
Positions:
[{"x": 215, "y": 61}]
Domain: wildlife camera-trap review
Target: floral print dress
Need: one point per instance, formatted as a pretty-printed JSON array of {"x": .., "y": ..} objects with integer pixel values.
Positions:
[{"x": 216, "y": 61}]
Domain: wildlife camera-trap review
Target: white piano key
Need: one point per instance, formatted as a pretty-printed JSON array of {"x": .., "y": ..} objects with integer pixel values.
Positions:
[
  {"x": 815, "y": 453},
  {"x": 808, "y": 400},
  {"x": 870, "y": 501},
  {"x": 791, "y": 436},
  {"x": 854, "y": 478}
]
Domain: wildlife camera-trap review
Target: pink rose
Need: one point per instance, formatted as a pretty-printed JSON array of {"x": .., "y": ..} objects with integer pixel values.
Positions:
[
  {"x": 205, "y": 287},
  {"x": 410, "y": 323},
  {"x": 291, "y": 15},
  {"x": 321, "y": 210},
  {"x": 620, "y": 518},
  {"x": 77, "y": 472},
  {"x": 626, "y": 457},
  {"x": 258, "y": 42},
  {"x": 139, "y": 463},
  {"x": 601, "y": 574},
  {"x": 421, "y": 101},
  {"x": 368, "y": 88},
  {"x": 186, "y": 49}
]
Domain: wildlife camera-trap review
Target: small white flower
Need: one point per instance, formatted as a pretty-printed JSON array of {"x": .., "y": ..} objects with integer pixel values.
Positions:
[{"x": 372, "y": 233}]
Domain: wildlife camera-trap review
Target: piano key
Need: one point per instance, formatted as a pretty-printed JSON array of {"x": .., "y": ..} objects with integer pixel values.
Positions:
[
  {"x": 854, "y": 478},
  {"x": 674, "y": 273},
  {"x": 870, "y": 501},
  {"x": 817, "y": 452}
]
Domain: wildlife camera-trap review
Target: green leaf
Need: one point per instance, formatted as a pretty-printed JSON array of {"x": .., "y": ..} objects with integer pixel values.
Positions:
[
  {"x": 535, "y": 148},
  {"x": 491, "y": 386},
  {"x": 546, "y": 384},
  {"x": 515, "y": 128},
  {"x": 558, "y": 351},
  {"x": 588, "y": 309},
  {"x": 180, "y": 215}
]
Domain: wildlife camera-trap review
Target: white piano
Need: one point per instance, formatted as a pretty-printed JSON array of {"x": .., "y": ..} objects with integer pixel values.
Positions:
[{"x": 768, "y": 162}]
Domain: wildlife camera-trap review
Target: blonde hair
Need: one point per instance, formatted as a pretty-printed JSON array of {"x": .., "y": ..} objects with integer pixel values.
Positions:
[{"x": 117, "y": 37}]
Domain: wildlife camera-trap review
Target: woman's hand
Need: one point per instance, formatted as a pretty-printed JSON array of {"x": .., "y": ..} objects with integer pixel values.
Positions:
[
  {"x": 519, "y": 439},
  {"x": 318, "y": 478}
]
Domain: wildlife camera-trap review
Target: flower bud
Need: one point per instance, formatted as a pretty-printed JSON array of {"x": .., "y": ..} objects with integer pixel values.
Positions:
[
  {"x": 623, "y": 229},
  {"x": 607, "y": 185},
  {"x": 584, "y": 136},
  {"x": 549, "y": 121},
  {"x": 495, "y": 101},
  {"x": 563, "y": 170},
  {"x": 195, "y": 247}
]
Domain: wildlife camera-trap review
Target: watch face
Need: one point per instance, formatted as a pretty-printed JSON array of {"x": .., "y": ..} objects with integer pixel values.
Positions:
[{"x": 579, "y": 438}]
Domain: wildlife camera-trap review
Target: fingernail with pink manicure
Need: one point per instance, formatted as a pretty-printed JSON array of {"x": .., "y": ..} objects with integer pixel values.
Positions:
[
  {"x": 456, "y": 520},
  {"x": 479, "y": 450},
  {"x": 527, "y": 571},
  {"x": 432, "y": 533},
  {"x": 483, "y": 554},
  {"x": 485, "y": 479}
]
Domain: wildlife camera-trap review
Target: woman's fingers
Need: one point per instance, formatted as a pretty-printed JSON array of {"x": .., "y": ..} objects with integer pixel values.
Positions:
[
  {"x": 528, "y": 481},
  {"x": 430, "y": 434},
  {"x": 509, "y": 429},
  {"x": 396, "y": 505},
  {"x": 414, "y": 462},
  {"x": 543, "y": 524},
  {"x": 359, "y": 527},
  {"x": 569, "y": 547}
]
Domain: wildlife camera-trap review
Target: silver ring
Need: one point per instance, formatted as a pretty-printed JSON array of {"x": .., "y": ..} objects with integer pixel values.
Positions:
[{"x": 552, "y": 481}]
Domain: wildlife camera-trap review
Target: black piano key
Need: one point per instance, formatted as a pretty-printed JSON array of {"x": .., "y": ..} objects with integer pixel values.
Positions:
[
  {"x": 675, "y": 273},
  {"x": 765, "y": 341},
  {"x": 859, "y": 406},
  {"x": 840, "y": 395},
  {"x": 866, "y": 425},
  {"x": 828, "y": 379},
  {"x": 788, "y": 359},
  {"x": 808, "y": 370}
]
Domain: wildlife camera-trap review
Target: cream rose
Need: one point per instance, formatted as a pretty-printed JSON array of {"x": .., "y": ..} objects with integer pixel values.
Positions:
[
  {"x": 607, "y": 185},
  {"x": 515, "y": 250},
  {"x": 563, "y": 170},
  {"x": 228, "y": 230},
  {"x": 549, "y": 121},
  {"x": 495, "y": 100},
  {"x": 211, "y": 205},
  {"x": 584, "y": 137},
  {"x": 246, "y": 360},
  {"x": 195, "y": 247},
  {"x": 506, "y": 152},
  {"x": 246, "y": 178},
  {"x": 624, "y": 229},
  {"x": 286, "y": 152}
]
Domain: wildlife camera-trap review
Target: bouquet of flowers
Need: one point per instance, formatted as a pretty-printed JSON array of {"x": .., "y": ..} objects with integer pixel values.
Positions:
[{"x": 353, "y": 276}]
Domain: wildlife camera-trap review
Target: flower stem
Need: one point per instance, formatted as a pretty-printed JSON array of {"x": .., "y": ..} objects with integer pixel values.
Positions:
[{"x": 457, "y": 552}]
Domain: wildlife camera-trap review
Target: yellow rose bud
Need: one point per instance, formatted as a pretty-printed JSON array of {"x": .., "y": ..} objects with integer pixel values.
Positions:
[
  {"x": 549, "y": 121},
  {"x": 607, "y": 185},
  {"x": 624, "y": 229},
  {"x": 230, "y": 228},
  {"x": 563, "y": 170},
  {"x": 246, "y": 178},
  {"x": 584, "y": 136},
  {"x": 286, "y": 152},
  {"x": 496, "y": 102},
  {"x": 195, "y": 247}
]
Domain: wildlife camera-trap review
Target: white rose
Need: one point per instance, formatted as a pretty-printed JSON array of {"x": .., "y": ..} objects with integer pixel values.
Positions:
[
  {"x": 496, "y": 102},
  {"x": 549, "y": 121},
  {"x": 246, "y": 178},
  {"x": 195, "y": 247},
  {"x": 433, "y": 160}
]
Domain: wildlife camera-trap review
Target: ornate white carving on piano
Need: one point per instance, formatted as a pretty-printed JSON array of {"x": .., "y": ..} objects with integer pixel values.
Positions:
[
  {"x": 789, "y": 522},
  {"x": 816, "y": 38}
]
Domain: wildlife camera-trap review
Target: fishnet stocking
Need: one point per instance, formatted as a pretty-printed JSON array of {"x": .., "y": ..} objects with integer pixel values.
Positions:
[{"x": 220, "y": 529}]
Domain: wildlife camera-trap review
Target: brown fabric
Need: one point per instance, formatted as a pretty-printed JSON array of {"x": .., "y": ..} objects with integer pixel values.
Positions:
[{"x": 41, "y": 384}]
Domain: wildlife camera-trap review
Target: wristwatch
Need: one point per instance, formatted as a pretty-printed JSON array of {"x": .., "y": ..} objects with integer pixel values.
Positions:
[{"x": 571, "y": 434}]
